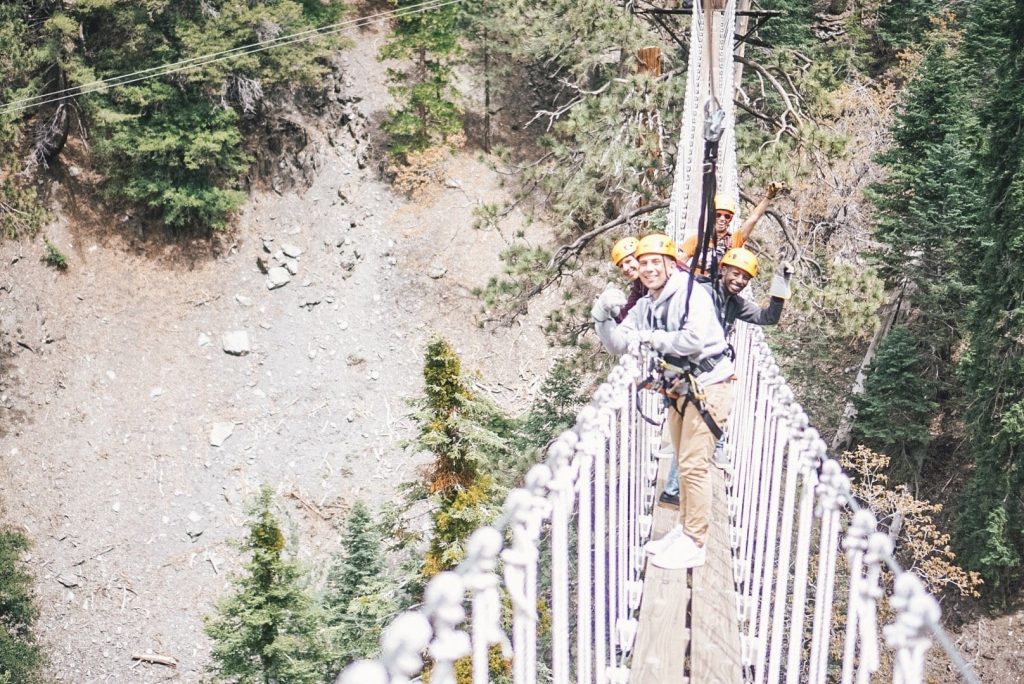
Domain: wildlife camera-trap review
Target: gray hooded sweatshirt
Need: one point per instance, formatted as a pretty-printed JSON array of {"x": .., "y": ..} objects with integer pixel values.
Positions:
[{"x": 700, "y": 338}]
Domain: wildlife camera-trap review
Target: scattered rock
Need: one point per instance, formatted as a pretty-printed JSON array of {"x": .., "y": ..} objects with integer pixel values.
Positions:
[
  {"x": 309, "y": 303},
  {"x": 268, "y": 246},
  {"x": 203, "y": 339},
  {"x": 243, "y": 300},
  {"x": 350, "y": 416},
  {"x": 343, "y": 325},
  {"x": 261, "y": 263},
  {"x": 437, "y": 270},
  {"x": 291, "y": 266},
  {"x": 354, "y": 360},
  {"x": 453, "y": 183},
  {"x": 291, "y": 250},
  {"x": 277, "y": 277},
  {"x": 111, "y": 375},
  {"x": 220, "y": 433},
  {"x": 68, "y": 580},
  {"x": 156, "y": 392},
  {"x": 375, "y": 375},
  {"x": 341, "y": 195},
  {"x": 236, "y": 343},
  {"x": 312, "y": 353},
  {"x": 194, "y": 517}
]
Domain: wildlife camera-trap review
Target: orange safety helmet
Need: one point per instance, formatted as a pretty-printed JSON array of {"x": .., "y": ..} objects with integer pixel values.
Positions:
[
  {"x": 624, "y": 248},
  {"x": 725, "y": 203},
  {"x": 656, "y": 243},
  {"x": 741, "y": 258}
]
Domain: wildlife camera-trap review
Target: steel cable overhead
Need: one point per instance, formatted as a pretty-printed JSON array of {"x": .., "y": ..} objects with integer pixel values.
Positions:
[{"x": 215, "y": 57}]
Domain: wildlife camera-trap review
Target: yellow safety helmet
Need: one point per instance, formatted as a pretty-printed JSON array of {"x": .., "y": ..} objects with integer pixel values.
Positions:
[
  {"x": 725, "y": 203},
  {"x": 624, "y": 248},
  {"x": 656, "y": 243},
  {"x": 741, "y": 258}
]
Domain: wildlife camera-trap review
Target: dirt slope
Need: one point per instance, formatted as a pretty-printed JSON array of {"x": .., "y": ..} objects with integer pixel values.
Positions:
[{"x": 108, "y": 394}]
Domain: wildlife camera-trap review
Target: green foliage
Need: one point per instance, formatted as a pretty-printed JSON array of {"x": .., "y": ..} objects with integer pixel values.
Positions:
[
  {"x": 902, "y": 23},
  {"x": 183, "y": 160},
  {"x": 894, "y": 413},
  {"x": 54, "y": 257},
  {"x": 467, "y": 436},
  {"x": 949, "y": 221},
  {"x": 20, "y": 656},
  {"x": 427, "y": 110},
  {"x": 557, "y": 404},
  {"x": 360, "y": 599},
  {"x": 21, "y": 215},
  {"x": 270, "y": 629},
  {"x": 173, "y": 144}
]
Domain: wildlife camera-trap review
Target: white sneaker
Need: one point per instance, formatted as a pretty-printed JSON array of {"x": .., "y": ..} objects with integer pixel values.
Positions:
[
  {"x": 681, "y": 554},
  {"x": 659, "y": 545}
]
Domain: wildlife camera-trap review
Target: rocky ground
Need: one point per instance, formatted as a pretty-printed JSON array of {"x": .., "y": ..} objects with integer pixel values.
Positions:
[{"x": 152, "y": 388}]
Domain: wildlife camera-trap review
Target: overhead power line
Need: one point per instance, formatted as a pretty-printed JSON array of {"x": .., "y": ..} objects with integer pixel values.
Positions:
[{"x": 214, "y": 57}]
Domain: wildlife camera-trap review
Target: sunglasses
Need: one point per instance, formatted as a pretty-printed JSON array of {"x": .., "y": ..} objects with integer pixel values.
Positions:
[{"x": 727, "y": 214}]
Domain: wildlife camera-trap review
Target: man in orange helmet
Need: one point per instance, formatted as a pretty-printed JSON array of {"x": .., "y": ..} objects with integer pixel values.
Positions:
[
  {"x": 738, "y": 267},
  {"x": 725, "y": 238},
  {"x": 677, "y": 318}
]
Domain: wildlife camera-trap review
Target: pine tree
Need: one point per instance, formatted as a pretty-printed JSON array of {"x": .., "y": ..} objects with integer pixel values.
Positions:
[
  {"x": 556, "y": 405},
  {"x": 894, "y": 413},
  {"x": 991, "y": 521},
  {"x": 360, "y": 598},
  {"x": 174, "y": 144},
  {"x": 427, "y": 110},
  {"x": 465, "y": 435},
  {"x": 20, "y": 656},
  {"x": 270, "y": 629}
]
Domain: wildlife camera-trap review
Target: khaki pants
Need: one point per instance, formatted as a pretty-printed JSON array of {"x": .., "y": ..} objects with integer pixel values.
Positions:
[{"x": 695, "y": 445}]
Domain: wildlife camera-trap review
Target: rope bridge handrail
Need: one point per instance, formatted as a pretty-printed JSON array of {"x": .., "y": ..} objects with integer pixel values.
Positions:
[{"x": 583, "y": 515}]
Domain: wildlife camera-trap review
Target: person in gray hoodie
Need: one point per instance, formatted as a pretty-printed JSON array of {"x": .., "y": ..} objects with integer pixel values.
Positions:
[{"x": 677, "y": 318}]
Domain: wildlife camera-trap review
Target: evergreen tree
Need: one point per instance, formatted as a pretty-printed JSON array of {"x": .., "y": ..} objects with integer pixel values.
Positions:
[
  {"x": 427, "y": 111},
  {"x": 556, "y": 405},
  {"x": 894, "y": 412},
  {"x": 901, "y": 23},
  {"x": 173, "y": 144},
  {"x": 20, "y": 657},
  {"x": 458, "y": 428},
  {"x": 360, "y": 598},
  {"x": 991, "y": 522},
  {"x": 270, "y": 629}
]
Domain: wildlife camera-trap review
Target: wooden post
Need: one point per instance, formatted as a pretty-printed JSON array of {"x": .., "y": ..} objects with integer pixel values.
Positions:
[{"x": 650, "y": 60}]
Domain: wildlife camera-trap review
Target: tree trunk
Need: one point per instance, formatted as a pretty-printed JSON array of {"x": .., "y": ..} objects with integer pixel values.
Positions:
[{"x": 889, "y": 314}]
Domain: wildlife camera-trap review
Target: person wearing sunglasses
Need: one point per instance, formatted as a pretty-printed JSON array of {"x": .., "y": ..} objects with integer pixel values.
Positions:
[{"x": 725, "y": 238}]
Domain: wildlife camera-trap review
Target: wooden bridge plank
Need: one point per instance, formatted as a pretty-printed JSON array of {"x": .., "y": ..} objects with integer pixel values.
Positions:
[
  {"x": 688, "y": 621},
  {"x": 659, "y": 652},
  {"x": 715, "y": 639}
]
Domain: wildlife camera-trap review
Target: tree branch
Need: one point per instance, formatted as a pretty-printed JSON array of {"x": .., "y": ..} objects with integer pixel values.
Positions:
[{"x": 554, "y": 270}]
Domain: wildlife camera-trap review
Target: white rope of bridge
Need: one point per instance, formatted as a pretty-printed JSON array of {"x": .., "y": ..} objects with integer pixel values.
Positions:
[
  {"x": 787, "y": 496},
  {"x": 598, "y": 480}
]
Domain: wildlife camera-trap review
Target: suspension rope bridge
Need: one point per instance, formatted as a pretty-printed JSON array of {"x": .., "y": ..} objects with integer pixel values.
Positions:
[{"x": 773, "y": 601}]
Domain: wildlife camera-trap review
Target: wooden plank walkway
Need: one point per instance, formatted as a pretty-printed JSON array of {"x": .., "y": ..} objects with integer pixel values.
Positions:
[{"x": 688, "y": 621}]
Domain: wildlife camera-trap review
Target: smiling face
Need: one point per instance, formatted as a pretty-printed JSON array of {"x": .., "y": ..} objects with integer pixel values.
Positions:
[
  {"x": 734, "y": 279},
  {"x": 722, "y": 220},
  {"x": 630, "y": 267},
  {"x": 653, "y": 271}
]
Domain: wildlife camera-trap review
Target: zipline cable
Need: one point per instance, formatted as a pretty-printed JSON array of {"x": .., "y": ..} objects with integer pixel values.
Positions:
[{"x": 214, "y": 57}]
